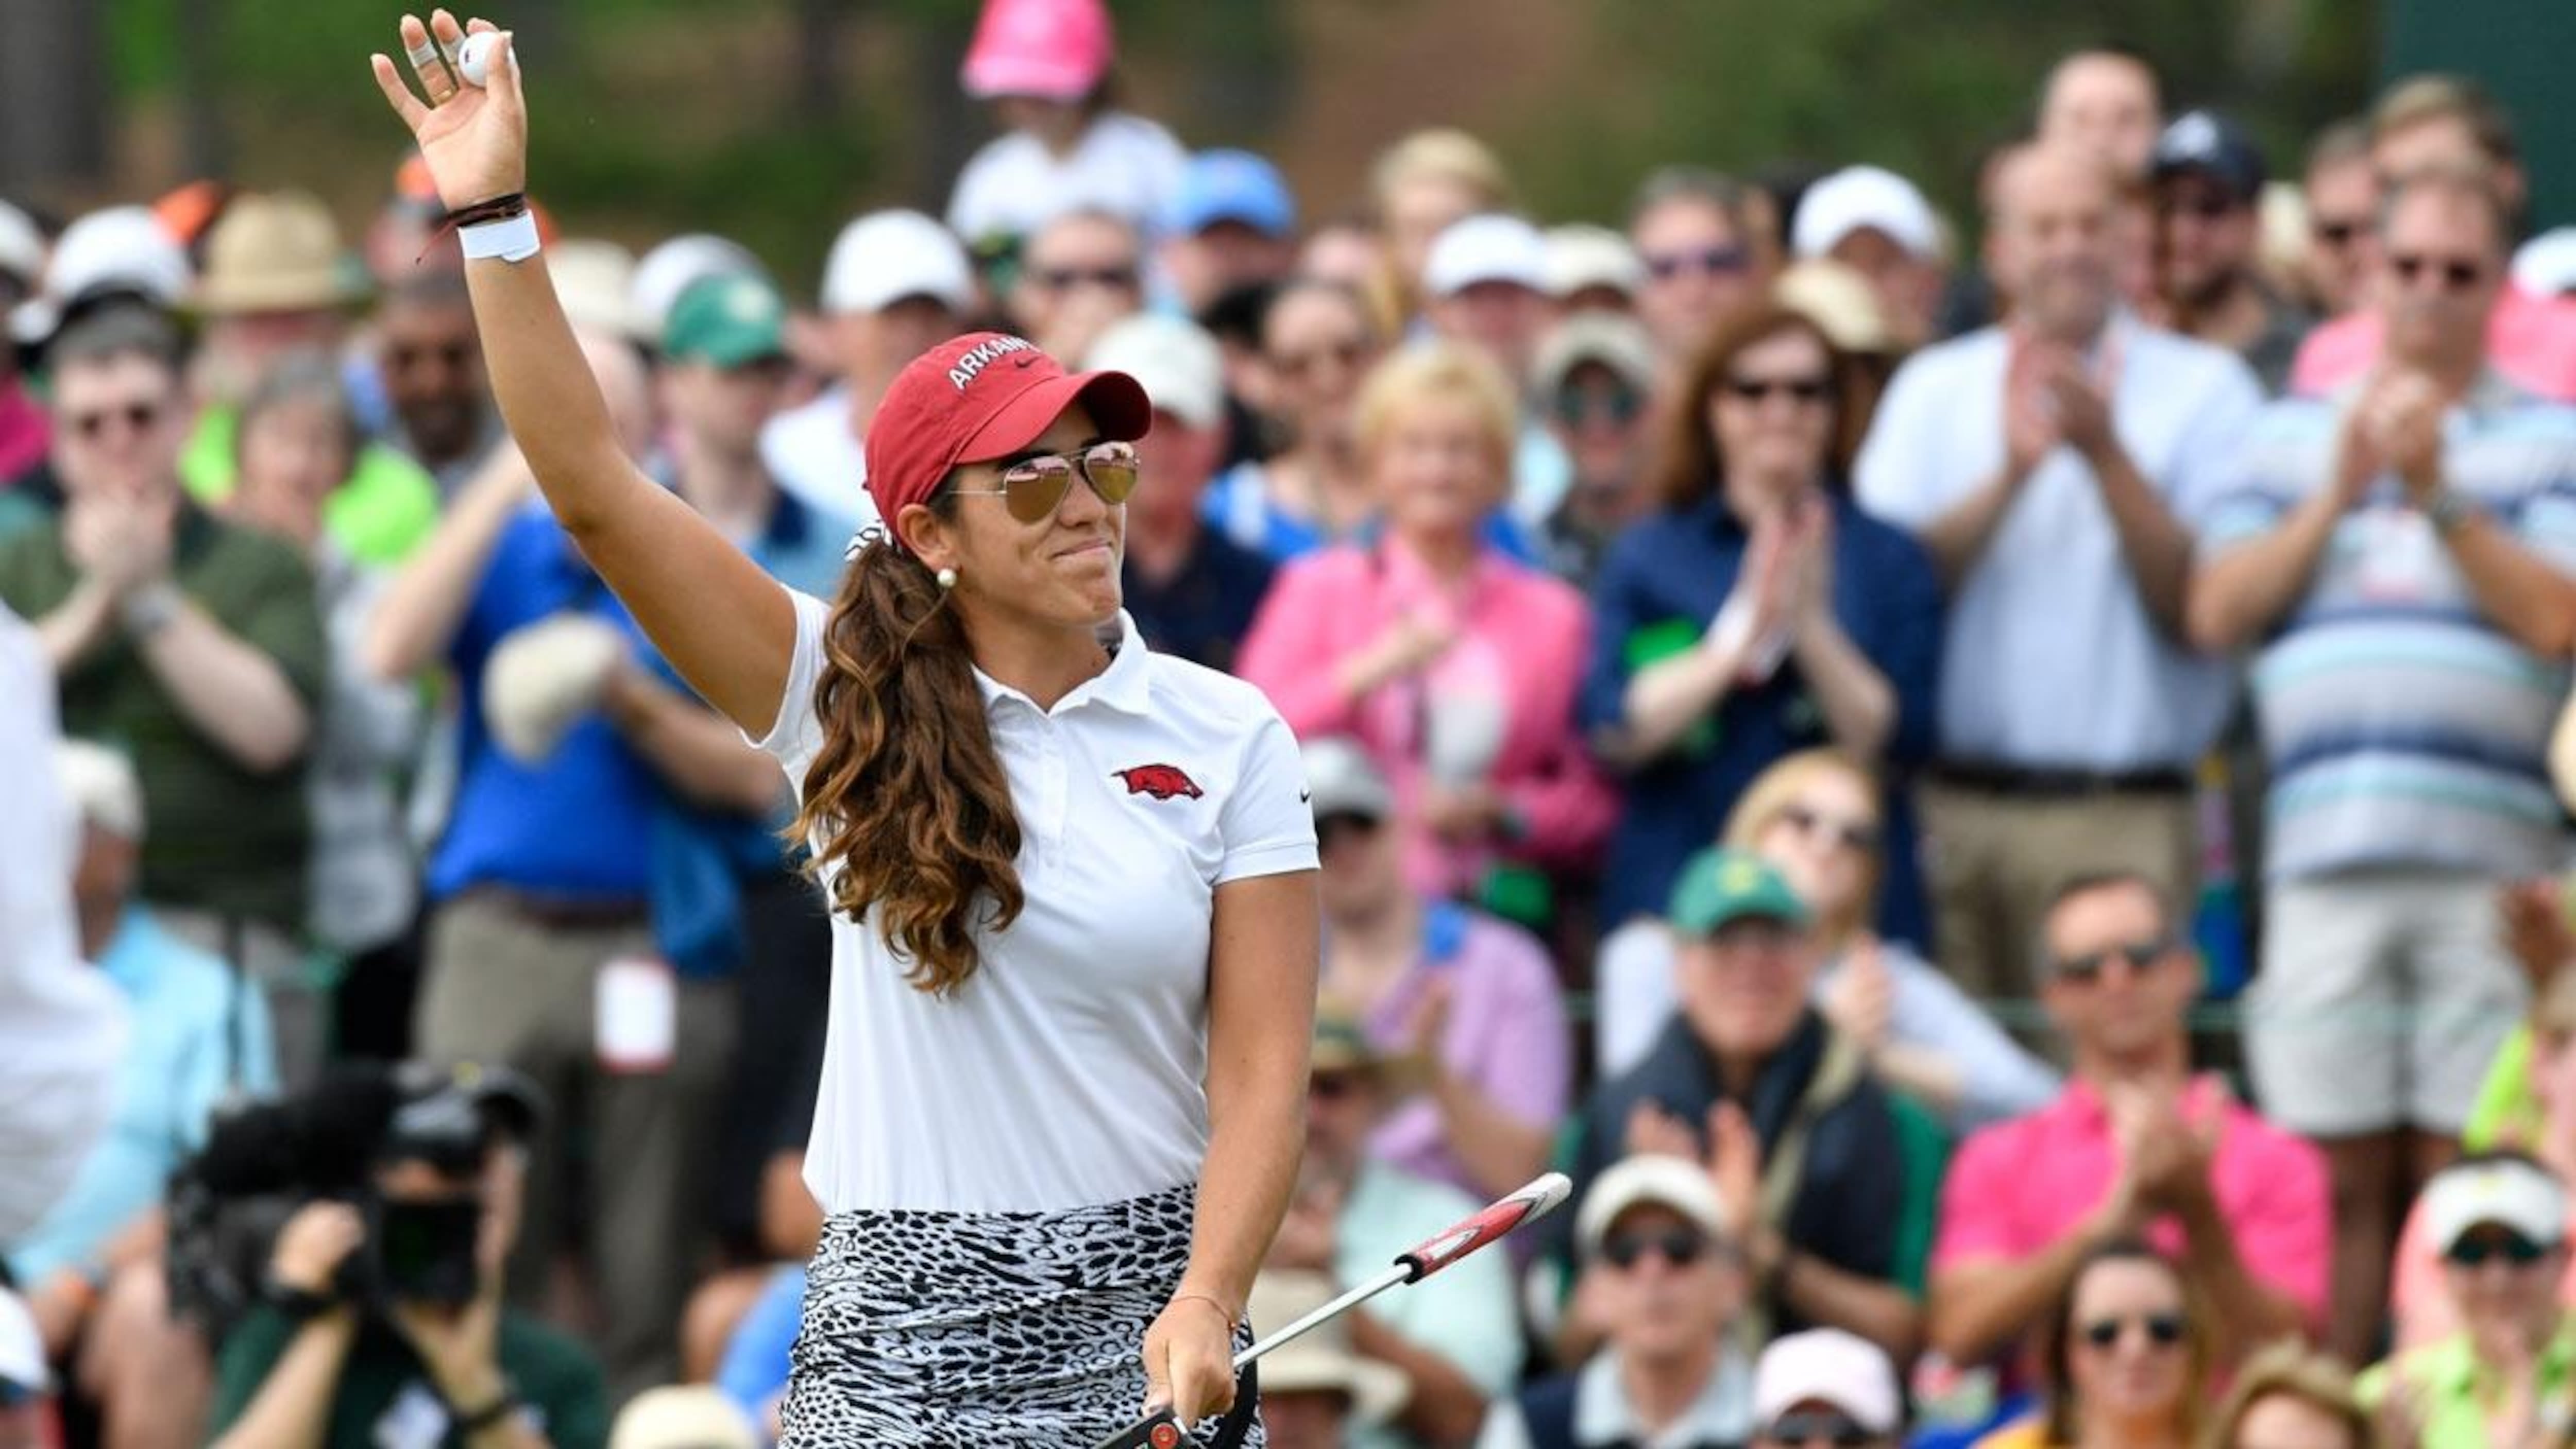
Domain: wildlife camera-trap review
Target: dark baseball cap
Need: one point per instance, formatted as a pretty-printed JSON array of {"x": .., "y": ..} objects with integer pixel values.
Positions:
[{"x": 2209, "y": 143}]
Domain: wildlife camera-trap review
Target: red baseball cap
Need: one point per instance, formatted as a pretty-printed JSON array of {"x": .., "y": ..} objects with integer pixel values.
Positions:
[{"x": 982, "y": 395}]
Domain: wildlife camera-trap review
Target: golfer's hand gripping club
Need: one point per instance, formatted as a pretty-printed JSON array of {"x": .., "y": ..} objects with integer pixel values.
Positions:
[{"x": 1164, "y": 1431}]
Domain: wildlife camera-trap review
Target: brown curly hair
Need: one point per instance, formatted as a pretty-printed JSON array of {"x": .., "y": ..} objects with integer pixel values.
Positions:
[{"x": 907, "y": 806}]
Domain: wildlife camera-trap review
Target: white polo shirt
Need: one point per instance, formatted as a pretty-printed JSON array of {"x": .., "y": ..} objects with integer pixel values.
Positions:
[{"x": 1068, "y": 1070}]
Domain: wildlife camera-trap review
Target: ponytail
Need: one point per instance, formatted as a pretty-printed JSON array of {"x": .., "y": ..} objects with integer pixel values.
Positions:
[{"x": 907, "y": 802}]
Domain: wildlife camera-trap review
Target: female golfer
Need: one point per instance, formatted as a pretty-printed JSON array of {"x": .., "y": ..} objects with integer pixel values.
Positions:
[{"x": 1074, "y": 935}]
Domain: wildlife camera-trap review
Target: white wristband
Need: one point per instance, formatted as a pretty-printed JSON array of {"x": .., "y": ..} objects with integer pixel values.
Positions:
[{"x": 512, "y": 239}]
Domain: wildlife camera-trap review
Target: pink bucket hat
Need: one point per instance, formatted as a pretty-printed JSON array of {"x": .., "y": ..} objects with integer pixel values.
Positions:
[{"x": 1054, "y": 49}]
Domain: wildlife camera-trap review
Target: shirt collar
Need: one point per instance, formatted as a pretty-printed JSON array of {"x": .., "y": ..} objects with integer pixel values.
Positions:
[
  {"x": 2083, "y": 1102},
  {"x": 2451, "y": 1366},
  {"x": 1720, "y": 1415},
  {"x": 1123, "y": 686}
]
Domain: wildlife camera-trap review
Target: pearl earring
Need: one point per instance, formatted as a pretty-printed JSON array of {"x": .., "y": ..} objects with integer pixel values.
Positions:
[{"x": 947, "y": 579}]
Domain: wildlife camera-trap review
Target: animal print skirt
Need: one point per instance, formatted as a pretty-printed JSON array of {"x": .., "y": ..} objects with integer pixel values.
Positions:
[{"x": 943, "y": 1330}]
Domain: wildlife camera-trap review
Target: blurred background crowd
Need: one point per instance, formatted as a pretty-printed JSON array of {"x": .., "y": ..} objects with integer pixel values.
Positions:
[{"x": 1980, "y": 764}]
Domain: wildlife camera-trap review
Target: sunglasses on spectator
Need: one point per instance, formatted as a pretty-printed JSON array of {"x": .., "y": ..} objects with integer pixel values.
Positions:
[
  {"x": 1857, "y": 836},
  {"x": 1821, "y": 1427},
  {"x": 451, "y": 357},
  {"x": 139, "y": 417},
  {"x": 1344, "y": 355},
  {"x": 2478, "y": 1249},
  {"x": 1334, "y": 1086},
  {"x": 2086, "y": 969},
  {"x": 1680, "y": 1247},
  {"x": 1806, "y": 391},
  {"x": 2208, "y": 206},
  {"x": 1699, "y": 261},
  {"x": 2338, "y": 234},
  {"x": 1343, "y": 825},
  {"x": 1065, "y": 279},
  {"x": 2163, "y": 1330},
  {"x": 1576, "y": 406},
  {"x": 1033, "y": 488},
  {"x": 2456, "y": 275}
]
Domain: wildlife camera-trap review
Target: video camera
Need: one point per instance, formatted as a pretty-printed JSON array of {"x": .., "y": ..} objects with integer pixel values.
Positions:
[{"x": 263, "y": 1161}]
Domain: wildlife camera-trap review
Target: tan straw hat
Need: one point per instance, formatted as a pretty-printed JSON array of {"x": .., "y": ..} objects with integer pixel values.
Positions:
[
  {"x": 276, "y": 251},
  {"x": 1321, "y": 1360}
]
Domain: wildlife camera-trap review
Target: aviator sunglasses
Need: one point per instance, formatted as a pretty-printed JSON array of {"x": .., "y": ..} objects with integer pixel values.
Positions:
[{"x": 1033, "y": 488}]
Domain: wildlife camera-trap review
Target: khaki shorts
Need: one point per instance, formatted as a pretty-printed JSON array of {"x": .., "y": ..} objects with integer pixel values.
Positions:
[{"x": 2382, "y": 1000}]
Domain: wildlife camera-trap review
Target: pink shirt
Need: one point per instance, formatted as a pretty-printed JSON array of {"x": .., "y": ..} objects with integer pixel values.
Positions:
[
  {"x": 1505, "y": 1035},
  {"x": 2530, "y": 339},
  {"x": 1497, "y": 706},
  {"x": 2019, "y": 1186},
  {"x": 24, "y": 434}
]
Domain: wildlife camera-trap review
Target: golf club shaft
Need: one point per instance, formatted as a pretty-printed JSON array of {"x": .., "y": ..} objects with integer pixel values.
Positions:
[{"x": 1400, "y": 1273}]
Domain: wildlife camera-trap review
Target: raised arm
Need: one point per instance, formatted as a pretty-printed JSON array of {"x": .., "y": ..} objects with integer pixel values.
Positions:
[{"x": 714, "y": 614}]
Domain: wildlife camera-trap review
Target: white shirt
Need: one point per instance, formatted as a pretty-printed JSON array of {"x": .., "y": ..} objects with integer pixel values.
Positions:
[
  {"x": 1722, "y": 1414},
  {"x": 62, "y": 1023},
  {"x": 1067, "y": 1071},
  {"x": 2050, "y": 659},
  {"x": 813, "y": 454},
  {"x": 1124, "y": 164}
]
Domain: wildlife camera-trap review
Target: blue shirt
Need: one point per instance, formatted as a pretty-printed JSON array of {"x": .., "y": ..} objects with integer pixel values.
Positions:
[
  {"x": 755, "y": 1366},
  {"x": 1661, "y": 584},
  {"x": 181, "y": 1059},
  {"x": 1201, "y": 613},
  {"x": 2053, "y": 661},
  {"x": 579, "y": 825},
  {"x": 2404, "y": 727},
  {"x": 702, "y": 856}
]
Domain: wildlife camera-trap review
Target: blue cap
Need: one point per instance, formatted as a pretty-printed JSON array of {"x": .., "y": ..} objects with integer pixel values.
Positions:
[{"x": 1233, "y": 186}]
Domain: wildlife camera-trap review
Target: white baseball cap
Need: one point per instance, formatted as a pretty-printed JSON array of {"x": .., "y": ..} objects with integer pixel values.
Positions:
[
  {"x": 2506, "y": 1191},
  {"x": 595, "y": 280},
  {"x": 682, "y": 1416},
  {"x": 1648, "y": 1177},
  {"x": 1827, "y": 1366},
  {"x": 1616, "y": 342},
  {"x": 119, "y": 249},
  {"x": 22, "y": 247},
  {"x": 22, "y": 1349},
  {"x": 1582, "y": 257},
  {"x": 1865, "y": 197},
  {"x": 101, "y": 785},
  {"x": 673, "y": 267},
  {"x": 1174, "y": 358},
  {"x": 886, "y": 256},
  {"x": 1839, "y": 300},
  {"x": 1488, "y": 248},
  {"x": 1342, "y": 780},
  {"x": 2546, "y": 264}
]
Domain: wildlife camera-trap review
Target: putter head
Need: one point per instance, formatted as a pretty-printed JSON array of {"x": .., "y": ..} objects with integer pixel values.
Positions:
[{"x": 1160, "y": 1431}]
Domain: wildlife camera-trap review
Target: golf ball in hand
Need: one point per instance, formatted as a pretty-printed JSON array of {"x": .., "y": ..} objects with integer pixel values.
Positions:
[{"x": 474, "y": 57}]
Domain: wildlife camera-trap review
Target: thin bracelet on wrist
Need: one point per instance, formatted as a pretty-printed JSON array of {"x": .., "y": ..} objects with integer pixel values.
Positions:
[{"x": 1229, "y": 1315}]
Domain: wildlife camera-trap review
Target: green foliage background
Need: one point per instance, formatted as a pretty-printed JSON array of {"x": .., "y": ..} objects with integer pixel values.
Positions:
[{"x": 658, "y": 115}]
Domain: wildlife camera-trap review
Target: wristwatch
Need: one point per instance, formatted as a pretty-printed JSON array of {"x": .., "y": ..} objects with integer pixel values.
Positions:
[
  {"x": 297, "y": 1304},
  {"x": 148, "y": 610},
  {"x": 472, "y": 1422},
  {"x": 2448, "y": 511}
]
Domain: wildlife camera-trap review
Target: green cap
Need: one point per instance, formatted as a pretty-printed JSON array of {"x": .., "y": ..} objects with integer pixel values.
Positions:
[
  {"x": 729, "y": 320},
  {"x": 1718, "y": 886}
]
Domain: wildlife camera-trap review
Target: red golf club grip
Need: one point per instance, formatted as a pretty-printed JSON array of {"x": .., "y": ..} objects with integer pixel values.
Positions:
[{"x": 1504, "y": 1215}]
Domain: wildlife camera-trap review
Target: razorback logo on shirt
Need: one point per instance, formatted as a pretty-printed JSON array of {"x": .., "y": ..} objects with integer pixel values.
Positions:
[{"x": 1163, "y": 782}]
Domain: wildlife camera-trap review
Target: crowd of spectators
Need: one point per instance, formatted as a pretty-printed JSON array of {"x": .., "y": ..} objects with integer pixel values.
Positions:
[{"x": 1993, "y": 806}]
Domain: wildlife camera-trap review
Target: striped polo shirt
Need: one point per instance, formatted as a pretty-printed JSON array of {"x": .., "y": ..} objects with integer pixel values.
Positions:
[{"x": 2404, "y": 727}]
